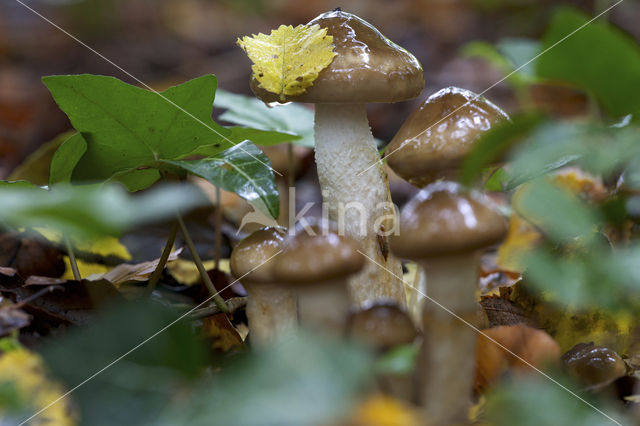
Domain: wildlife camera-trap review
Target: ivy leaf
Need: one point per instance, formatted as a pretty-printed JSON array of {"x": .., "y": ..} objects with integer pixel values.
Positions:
[
  {"x": 91, "y": 210},
  {"x": 598, "y": 58},
  {"x": 291, "y": 118},
  {"x": 288, "y": 60},
  {"x": 125, "y": 126},
  {"x": 241, "y": 169},
  {"x": 66, "y": 158}
]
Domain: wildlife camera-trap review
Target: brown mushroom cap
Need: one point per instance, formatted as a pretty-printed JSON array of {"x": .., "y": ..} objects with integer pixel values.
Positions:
[
  {"x": 593, "y": 365},
  {"x": 368, "y": 67},
  {"x": 444, "y": 219},
  {"x": 250, "y": 258},
  {"x": 382, "y": 325},
  {"x": 307, "y": 259},
  {"x": 439, "y": 133}
]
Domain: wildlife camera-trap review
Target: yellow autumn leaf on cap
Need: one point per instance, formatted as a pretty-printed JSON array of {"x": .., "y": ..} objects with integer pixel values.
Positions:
[{"x": 288, "y": 60}]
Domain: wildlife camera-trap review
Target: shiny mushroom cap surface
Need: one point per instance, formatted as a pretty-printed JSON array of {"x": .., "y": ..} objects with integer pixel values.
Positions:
[
  {"x": 382, "y": 325},
  {"x": 310, "y": 259},
  {"x": 439, "y": 133},
  {"x": 368, "y": 66},
  {"x": 443, "y": 219},
  {"x": 251, "y": 260},
  {"x": 592, "y": 365}
]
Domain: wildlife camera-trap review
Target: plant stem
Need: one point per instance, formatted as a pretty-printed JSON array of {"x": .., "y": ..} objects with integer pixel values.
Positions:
[
  {"x": 72, "y": 259},
  {"x": 291, "y": 166},
  {"x": 203, "y": 272},
  {"x": 163, "y": 259},
  {"x": 218, "y": 225}
]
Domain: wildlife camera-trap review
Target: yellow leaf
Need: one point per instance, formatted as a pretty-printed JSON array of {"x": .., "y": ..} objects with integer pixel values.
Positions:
[
  {"x": 288, "y": 60},
  {"x": 23, "y": 372}
]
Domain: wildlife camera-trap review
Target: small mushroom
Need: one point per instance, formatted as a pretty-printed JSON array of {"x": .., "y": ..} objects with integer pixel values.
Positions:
[
  {"x": 594, "y": 366},
  {"x": 317, "y": 267},
  {"x": 384, "y": 327},
  {"x": 368, "y": 67},
  {"x": 271, "y": 307},
  {"x": 439, "y": 133},
  {"x": 443, "y": 227},
  {"x": 496, "y": 346}
]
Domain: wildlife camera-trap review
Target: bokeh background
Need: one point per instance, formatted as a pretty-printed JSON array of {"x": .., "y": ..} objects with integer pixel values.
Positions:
[{"x": 164, "y": 42}]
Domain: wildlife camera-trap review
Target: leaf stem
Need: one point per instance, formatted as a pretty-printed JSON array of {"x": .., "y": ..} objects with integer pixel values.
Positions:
[
  {"x": 218, "y": 230},
  {"x": 291, "y": 176},
  {"x": 203, "y": 272},
  {"x": 72, "y": 259},
  {"x": 155, "y": 277}
]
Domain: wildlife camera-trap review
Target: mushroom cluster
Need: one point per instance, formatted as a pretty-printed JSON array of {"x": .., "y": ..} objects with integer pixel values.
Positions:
[{"x": 368, "y": 67}]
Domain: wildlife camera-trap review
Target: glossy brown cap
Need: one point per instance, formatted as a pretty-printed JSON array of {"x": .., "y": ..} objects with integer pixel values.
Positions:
[
  {"x": 439, "y": 133},
  {"x": 445, "y": 219},
  {"x": 307, "y": 259},
  {"x": 250, "y": 258},
  {"x": 592, "y": 365},
  {"x": 382, "y": 325},
  {"x": 368, "y": 67}
]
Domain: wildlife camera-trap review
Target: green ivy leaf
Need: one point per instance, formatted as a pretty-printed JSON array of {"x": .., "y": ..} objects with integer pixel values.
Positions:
[
  {"x": 242, "y": 169},
  {"x": 86, "y": 211},
  {"x": 66, "y": 158},
  {"x": 126, "y": 126},
  {"x": 598, "y": 58},
  {"x": 251, "y": 112}
]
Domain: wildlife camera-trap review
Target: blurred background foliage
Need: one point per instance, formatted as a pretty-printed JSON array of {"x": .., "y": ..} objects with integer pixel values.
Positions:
[{"x": 577, "y": 105}]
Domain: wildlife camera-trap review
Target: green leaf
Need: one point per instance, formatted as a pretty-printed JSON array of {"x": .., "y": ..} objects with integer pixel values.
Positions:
[
  {"x": 136, "y": 389},
  {"x": 66, "y": 158},
  {"x": 35, "y": 168},
  {"x": 126, "y": 126},
  {"x": 537, "y": 401},
  {"x": 555, "y": 210},
  {"x": 301, "y": 381},
  {"x": 598, "y": 58},
  {"x": 251, "y": 112},
  {"x": 518, "y": 52},
  {"x": 242, "y": 169},
  {"x": 495, "y": 143},
  {"x": 86, "y": 211},
  {"x": 400, "y": 360}
]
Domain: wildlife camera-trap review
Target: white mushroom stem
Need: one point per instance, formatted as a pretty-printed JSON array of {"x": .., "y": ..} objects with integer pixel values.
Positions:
[
  {"x": 447, "y": 359},
  {"x": 324, "y": 306},
  {"x": 271, "y": 311},
  {"x": 357, "y": 197}
]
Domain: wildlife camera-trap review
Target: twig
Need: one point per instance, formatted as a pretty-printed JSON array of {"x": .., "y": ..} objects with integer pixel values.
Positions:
[
  {"x": 163, "y": 258},
  {"x": 47, "y": 289},
  {"x": 72, "y": 258},
  {"x": 203, "y": 272},
  {"x": 233, "y": 304}
]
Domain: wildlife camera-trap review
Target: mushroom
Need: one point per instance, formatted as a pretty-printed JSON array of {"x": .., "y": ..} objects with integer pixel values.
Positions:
[
  {"x": 317, "y": 267},
  {"x": 385, "y": 327},
  {"x": 443, "y": 227},
  {"x": 382, "y": 326},
  {"x": 497, "y": 346},
  {"x": 594, "y": 366},
  {"x": 439, "y": 133},
  {"x": 368, "y": 67},
  {"x": 271, "y": 308}
]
